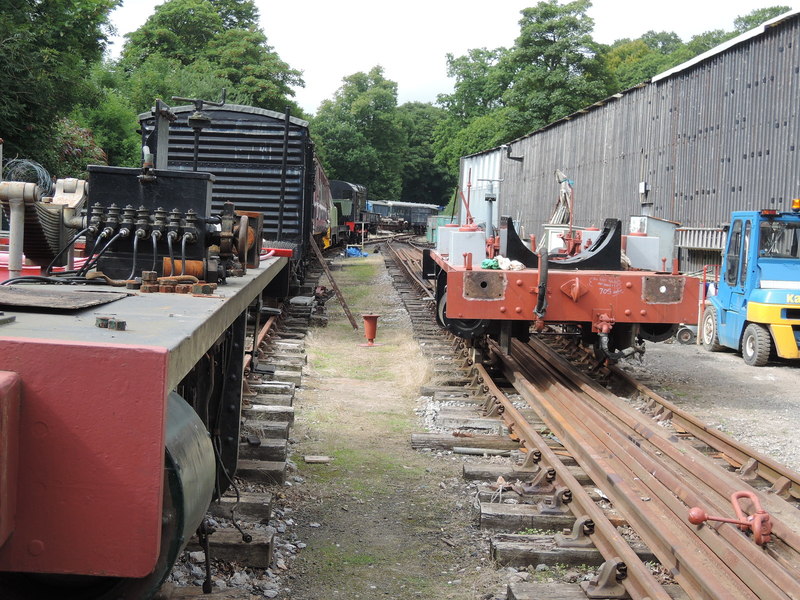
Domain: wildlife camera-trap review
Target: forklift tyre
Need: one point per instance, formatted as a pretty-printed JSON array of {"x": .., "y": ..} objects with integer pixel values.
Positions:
[
  {"x": 756, "y": 345},
  {"x": 708, "y": 329}
]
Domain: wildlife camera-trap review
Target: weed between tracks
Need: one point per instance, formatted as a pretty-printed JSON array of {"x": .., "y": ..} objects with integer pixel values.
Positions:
[{"x": 374, "y": 518}]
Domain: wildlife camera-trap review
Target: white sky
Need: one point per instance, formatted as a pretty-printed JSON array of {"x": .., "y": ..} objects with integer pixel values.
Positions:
[{"x": 331, "y": 39}]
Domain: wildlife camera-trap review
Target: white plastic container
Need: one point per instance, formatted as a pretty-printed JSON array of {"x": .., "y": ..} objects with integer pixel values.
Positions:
[
  {"x": 461, "y": 242},
  {"x": 445, "y": 233}
]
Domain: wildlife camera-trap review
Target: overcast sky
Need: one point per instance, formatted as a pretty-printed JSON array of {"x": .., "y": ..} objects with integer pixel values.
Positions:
[{"x": 331, "y": 39}]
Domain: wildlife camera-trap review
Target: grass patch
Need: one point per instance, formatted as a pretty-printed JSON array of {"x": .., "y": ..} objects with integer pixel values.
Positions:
[{"x": 361, "y": 272}]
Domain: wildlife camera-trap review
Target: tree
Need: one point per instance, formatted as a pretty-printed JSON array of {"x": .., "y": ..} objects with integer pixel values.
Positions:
[
  {"x": 256, "y": 73},
  {"x": 42, "y": 47},
  {"x": 554, "y": 65},
  {"x": 423, "y": 179},
  {"x": 237, "y": 14},
  {"x": 178, "y": 29},
  {"x": 757, "y": 17},
  {"x": 197, "y": 47},
  {"x": 360, "y": 134},
  {"x": 486, "y": 131},
  {"x": 479, "y": 84}
]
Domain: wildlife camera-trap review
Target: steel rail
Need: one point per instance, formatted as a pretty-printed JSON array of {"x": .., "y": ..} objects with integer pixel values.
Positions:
[
  {"x": 699, "y": 571},
  {"x": 640, "y": 583},
  {"x": 765, "y": 467},
  {"x": 698, "y": 482},
  {"x": 403, "y": 260},
  {"x": 714, "y": 481}
]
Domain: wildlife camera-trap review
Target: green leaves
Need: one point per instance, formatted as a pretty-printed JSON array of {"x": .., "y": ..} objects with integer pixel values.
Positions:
[{"x": 360, "y": 136}]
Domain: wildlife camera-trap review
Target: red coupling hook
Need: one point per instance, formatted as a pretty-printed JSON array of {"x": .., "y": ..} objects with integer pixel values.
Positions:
[{"x": 759, "y": 522}]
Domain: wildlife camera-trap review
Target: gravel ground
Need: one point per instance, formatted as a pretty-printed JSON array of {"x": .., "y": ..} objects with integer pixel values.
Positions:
[{"x": 759, "y": 406}]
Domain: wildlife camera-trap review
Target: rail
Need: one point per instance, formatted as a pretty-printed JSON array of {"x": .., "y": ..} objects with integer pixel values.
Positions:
[{"x": 653, "y": 479}]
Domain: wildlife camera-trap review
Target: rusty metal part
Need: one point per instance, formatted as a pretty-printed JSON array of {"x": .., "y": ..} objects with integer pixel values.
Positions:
[
  {"x": 608, "y": 582},
  {"x": 645, "y": 491},
  {"x": 410, "y": 261},
  {"x": 663, "y": 290},
  {"x": 760, "y": 464},
  {"x": 339, "y": 296},
  {"x": 640, "y": 584},
  {"x": 709, "y": 481},
  {"x": 759, "y": 522},
  {"x": 480, "y": 285}
]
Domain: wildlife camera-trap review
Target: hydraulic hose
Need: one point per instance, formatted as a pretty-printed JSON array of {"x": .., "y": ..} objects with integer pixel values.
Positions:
[
  {"x": 185, "y": 239},
  {"x": 154, "y": 237},
  {"x": 91, "y": 255},
  {"x": 93, "y": 263},
  {"x": 64, "y": 249},
  {"x": 170, "y": 237},
  {"x": 135, "y": 251}
]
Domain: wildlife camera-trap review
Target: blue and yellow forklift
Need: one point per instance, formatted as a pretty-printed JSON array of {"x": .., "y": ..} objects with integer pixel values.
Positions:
[{"x": 756, "y": 308}]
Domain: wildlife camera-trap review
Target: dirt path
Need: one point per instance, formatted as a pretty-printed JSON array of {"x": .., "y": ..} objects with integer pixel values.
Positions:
[{"x": 381, "y": 520}]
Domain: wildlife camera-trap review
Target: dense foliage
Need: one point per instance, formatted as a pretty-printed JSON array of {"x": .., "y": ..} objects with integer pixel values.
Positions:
[
  {"x": 44, "y": 49},
  {"x": 65, "y": 106}
]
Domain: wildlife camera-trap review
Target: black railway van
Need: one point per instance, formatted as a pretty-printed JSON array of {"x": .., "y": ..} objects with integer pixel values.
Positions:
[{"x": 261, "y": 160}]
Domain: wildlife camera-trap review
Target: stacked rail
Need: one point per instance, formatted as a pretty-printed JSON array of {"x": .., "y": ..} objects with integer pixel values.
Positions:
[{"x": 653, "y": 478}]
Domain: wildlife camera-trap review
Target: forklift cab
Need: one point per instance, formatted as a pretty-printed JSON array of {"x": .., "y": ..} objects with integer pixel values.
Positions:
[{"x": 757, "y": 305}]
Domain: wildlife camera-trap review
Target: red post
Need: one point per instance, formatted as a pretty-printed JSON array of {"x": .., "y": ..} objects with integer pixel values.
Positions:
[{"x": 370, "y": 329}]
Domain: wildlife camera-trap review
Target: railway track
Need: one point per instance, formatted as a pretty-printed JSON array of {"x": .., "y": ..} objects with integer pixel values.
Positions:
[
  {"x": 252, "y": 544},
  {"x": 590, "y": 460}
]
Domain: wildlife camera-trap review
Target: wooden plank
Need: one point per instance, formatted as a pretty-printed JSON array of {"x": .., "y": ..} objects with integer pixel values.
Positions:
[
  {"x": 545, "y": 591},
  {"x": 288, "y": 376},
  {"x": 269, "y": 429},
  {"x": 567, "y": 591},
  {"x": 458, "y": 392},
  {"x": 491, "y": 471},
  {"x": 316, "y": 460},
  {"x": 486, "y": 494},
  {"x": 272, "y": 399},
  {"x": 270, "y": 449},
  {"x": 273, "y": 387},
  {"x": 443, "y": 441},
  {"x": 262, "y": 471},
  {"x": 492, "y": 424},
  {"x": 517, "y": 517},
  {"x": 513, "y": 550},
  {"x": 262, "y": 412},
  {"x": 511, "y": 518},
  {"x": 253, "y": 505},
  {"x": 227, "y": 544}
]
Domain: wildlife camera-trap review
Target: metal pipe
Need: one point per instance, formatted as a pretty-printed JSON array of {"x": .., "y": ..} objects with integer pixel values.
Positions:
[
  {"x": 284, "y": 163},
  {"x": 16, "y": 236},
  {"x": 17, "y": 194}
]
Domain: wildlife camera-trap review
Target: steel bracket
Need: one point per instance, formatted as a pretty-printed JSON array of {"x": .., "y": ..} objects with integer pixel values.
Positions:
[
  {"x": 557, "y": 503},
  {"x": 579, "y": 538},
  {"x": 532, "y": 459},
  {"x": 542, "y": 483},
  {"x": 606, "y": 583}
]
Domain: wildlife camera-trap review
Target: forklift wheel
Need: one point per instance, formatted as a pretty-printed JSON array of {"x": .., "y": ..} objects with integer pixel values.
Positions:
[{"x": 756, "y": 343}]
